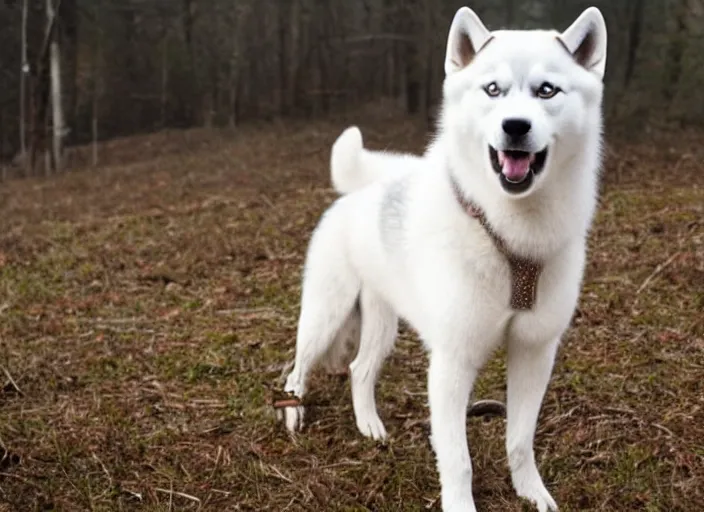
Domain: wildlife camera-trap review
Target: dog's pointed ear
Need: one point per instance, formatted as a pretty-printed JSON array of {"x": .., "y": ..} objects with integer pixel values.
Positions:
[
  {"x": 585, "y": 39},
  {"x": 467, "y": 36}
]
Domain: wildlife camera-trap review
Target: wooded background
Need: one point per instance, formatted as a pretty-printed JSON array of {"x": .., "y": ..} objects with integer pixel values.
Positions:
[{"x": 137, "y": 66}]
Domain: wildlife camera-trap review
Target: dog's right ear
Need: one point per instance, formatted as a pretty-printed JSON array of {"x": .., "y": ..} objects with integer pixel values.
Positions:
[
  {"x": 467, "y": 36},
  {"x": 585, "y": 39}
]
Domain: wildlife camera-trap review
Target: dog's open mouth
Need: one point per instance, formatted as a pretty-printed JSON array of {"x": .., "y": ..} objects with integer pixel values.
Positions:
[{"x": 517, "y": 169}]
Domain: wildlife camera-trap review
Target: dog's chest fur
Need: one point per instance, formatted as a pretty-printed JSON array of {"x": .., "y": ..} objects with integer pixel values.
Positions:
[{"x": 423, "y": 238}]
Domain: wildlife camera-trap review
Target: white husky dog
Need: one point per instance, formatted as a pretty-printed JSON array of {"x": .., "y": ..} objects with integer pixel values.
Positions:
[{"x": 479, "y": 242}]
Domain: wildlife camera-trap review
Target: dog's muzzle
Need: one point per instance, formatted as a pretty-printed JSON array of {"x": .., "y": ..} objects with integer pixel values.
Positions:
[{"x": 517, "y": 169}]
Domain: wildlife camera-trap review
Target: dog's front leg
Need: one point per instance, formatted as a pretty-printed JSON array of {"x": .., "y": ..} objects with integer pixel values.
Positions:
[
  {"x": 529, "y": 369},
  {"x": 450, "y": 381}
]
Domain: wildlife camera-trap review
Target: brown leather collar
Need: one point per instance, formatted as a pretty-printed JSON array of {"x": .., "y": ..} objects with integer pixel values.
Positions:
[{"x": 524, "y": 271}]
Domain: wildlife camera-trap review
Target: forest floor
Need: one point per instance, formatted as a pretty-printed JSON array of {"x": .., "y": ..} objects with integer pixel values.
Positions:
[{"x": 148, "y": 311}]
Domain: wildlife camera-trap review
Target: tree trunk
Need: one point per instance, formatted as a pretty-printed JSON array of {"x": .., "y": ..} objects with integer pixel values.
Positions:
[
  {"x": 283, "y": 55},
  {"x": 164, "y": 79},
  {"x": 415, "y": 56},
  {"x": 510, "y": 12},
  {"x": 234, "y": 75},
  {"x": 4, "y": 143},
  {"x": 189, "y": 15},
  {"x": 24, "y": 69},
  {"x": 232, "y": 96},
  {"x": 47, "y": 150},
  {"x": 634, "y": 38},
  {"x": 68, "y": 38},
  {"x": 94, "y": 131},
  {"x": 426, "y": 78},
  {"x": 289, "y": 29},
  {"x": 57, "y": 113},
  {"x": 39, "y": 93},
  {"x": 675, "y": 52},
  {"x": 97, "y": 70}
]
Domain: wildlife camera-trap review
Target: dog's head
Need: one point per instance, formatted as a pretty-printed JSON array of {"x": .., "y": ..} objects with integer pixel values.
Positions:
[{"x": 523, "y": 99}]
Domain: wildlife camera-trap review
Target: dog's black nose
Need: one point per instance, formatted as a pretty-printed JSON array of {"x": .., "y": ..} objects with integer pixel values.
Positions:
[{"x": 516, "y": 128}]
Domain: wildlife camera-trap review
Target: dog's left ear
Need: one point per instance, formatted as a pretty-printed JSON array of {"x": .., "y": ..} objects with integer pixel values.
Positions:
[
  {"x": 467, "y": 36},
  {"x": 585, "y": 39}
]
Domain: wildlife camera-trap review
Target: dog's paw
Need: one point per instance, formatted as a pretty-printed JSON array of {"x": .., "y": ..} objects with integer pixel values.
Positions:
[
  {"x": 458, "y": 505},
  {"x": 528, "y": 484},
  {"x": 539, "y": 496},
  {"x": 292, "y": 417},
  {"x": 370, "y": 425}
]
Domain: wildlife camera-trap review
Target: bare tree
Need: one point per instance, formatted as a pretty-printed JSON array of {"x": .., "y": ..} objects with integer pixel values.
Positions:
[
  {"x": 24, "y": 69},
  {"x": 634, "y": 37},
  {"x": 164, "y": 76},
  {"x": 510, "y": 10},
  {"x": 57, "y": 111},
  {"x": 675, "y": 51},
  {"x": 96, "y": 80}
]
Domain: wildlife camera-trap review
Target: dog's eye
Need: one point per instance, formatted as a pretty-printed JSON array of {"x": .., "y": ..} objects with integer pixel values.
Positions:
[
  {"x": 547, "y": 91},
  {"x": 492, "y": 89}
]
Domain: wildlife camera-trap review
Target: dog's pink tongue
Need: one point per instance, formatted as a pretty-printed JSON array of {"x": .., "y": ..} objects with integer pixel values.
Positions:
[{"x": 515, "y": 169}]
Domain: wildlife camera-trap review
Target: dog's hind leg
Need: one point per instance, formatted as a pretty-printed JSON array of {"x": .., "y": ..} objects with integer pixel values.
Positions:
[
  {"x": 344, "y": 347},
  {"x": 330, "y": 291},
  {"x": 379, "y": 329}
]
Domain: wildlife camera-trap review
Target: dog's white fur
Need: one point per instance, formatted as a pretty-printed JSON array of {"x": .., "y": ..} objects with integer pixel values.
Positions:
[{"x": 399, "y": 244}]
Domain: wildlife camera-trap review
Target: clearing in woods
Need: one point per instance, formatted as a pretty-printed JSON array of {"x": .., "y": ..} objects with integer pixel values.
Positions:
[{"x": 148, "y": 309}]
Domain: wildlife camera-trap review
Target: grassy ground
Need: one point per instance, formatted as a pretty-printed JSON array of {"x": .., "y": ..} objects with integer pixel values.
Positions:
[{"x": 148, "y": 311}]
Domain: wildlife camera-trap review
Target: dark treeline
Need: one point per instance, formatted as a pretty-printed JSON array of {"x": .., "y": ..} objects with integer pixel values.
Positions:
[{"x": 134, "y": 66}]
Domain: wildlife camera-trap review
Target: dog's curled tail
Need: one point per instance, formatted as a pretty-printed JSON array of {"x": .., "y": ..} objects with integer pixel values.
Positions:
[
  {"x": 352, "y": 167},
  {"x": 345, "y": 159}
]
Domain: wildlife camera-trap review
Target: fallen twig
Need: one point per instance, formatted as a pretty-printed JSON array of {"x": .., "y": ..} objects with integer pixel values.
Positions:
[
  {"x": 105, "y": 469},
  {"x": 129, "y": 320},
  {"x": 658, "y": 269},
  {"x": 271, "y": 470},
  {"x": 172, "y": 493},
  {"x": 12, "y": 381}
]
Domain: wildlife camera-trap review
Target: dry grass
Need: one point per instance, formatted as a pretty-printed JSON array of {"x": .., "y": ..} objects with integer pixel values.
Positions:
[{"x": 148, "y": 310}]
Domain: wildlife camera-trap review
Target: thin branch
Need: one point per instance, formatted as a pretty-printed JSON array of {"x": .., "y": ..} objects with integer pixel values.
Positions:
[
  {"x": 173, "y": 493},
  {"x": 12, "y": 381},
  {"x": 658, "y": 270}
]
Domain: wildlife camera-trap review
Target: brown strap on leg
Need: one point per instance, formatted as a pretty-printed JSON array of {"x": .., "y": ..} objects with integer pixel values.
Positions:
[{"x": 285, "y": 399}]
